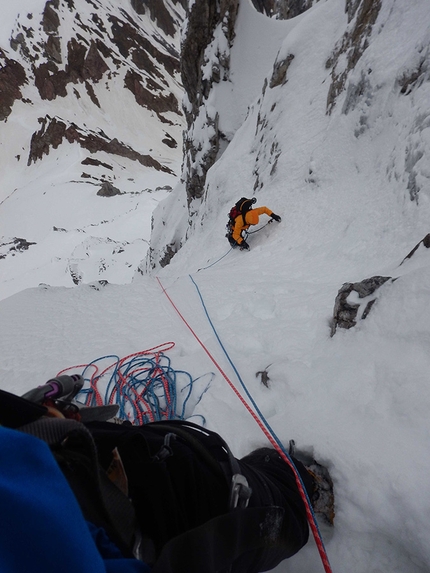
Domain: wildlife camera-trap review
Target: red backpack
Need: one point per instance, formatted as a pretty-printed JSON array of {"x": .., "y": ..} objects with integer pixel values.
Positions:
[{"x": 240, "y": 208}]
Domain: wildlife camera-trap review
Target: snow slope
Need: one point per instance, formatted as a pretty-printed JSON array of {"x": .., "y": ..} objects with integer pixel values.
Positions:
[{"x": 360, "y": 398}]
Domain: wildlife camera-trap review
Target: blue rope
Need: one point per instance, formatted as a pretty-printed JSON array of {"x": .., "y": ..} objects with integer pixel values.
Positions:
[{"x": 251, "y": 399}]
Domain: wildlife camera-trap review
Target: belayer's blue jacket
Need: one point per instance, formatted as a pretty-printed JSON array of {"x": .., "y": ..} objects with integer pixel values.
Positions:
[{"x": 42, "y": 528}]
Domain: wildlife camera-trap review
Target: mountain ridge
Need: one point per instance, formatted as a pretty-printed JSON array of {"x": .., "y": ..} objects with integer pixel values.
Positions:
[{"x": 90, "y": 93}]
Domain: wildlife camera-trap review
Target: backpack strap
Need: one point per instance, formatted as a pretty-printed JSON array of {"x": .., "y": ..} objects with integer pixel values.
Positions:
[
  {"x": 211, "y": 448},
  {"x": 101, "y": 501},
  {"x": 195, "y": 444},
  {"x": 244, "y": 205},
  {"x": 16, "y": 411}
]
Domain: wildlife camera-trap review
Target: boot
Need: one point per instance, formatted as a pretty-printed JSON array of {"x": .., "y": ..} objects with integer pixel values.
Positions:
[{"x": 322, "y": 497}]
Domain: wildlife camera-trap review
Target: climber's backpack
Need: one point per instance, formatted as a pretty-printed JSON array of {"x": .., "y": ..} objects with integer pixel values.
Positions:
[
  {"x": 181, "y": 502},
  {"x": 234, "y": 212},
  {"x": 237, "y": 210}
]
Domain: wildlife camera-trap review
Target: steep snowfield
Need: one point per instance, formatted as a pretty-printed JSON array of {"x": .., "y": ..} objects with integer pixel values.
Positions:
[{"x": 360, "y": 398}]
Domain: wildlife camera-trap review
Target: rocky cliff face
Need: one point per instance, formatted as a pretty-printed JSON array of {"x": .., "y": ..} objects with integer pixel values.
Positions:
[
  {"x": 362, "y": 16},
  {"x": 205, "y": 61}
]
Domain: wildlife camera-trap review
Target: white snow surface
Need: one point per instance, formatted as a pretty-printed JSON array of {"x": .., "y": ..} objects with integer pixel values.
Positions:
[{"x": 359, "y": 399}]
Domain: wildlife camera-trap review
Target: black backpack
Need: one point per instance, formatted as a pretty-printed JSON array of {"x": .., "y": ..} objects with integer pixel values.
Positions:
[{"x": 184, "y": 506}]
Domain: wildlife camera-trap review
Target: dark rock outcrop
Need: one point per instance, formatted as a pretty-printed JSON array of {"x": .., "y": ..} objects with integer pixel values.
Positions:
[
  {"x": 143, "y": 53},
  {"x": 50, "y": 19},
  {"x": 54, "y": 130},
  {"x": 83, "y": 64},
  {"x": 346, "y": 313},
  {"x": 158, "y": 13},
  {"x": 157, "y": 102},
  {"x": 108, "y": 190},
  {"x": 280, "y": 68},
  {"x": 352, "y": 45},
  {"x": 203, "y": 18},
  {"x": 96, "y": 163},
  {"x": 169, "y": 141},
  {"x": 16, "y": 245},
  {"x": 412, "y": 79},
  {"x": 283, "y": 9},
  {"x": 96, "y": 62},
  {"x": 425, "y": 242},
  {"x": 12, "y": 78},
  {"x": 169, "y": 252}
]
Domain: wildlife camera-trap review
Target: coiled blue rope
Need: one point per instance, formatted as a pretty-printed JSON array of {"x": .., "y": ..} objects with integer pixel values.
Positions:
[{"x": 144, "y": 385}]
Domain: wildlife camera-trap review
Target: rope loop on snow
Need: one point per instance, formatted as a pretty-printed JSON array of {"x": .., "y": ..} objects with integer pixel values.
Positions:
[
  {"x": 143, "y": 384},
  {"x": 217, "y": 261},
  {"x": 261, "y": 422}
]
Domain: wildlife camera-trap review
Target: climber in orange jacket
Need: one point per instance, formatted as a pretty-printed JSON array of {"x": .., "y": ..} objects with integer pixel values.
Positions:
[{"x": 247, "y": 216}]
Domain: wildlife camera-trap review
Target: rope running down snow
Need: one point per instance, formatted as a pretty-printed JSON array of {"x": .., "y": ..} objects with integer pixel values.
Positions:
[
  {"x": 217, "y": 261},
  {"x": 263, "y": 425},
  {"x": 225, "y": 254}
]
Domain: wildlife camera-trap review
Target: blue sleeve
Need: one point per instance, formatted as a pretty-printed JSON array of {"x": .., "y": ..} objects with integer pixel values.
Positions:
[
  {"x": 41, "y": 526},
  {"x": 113, "y": 558}
]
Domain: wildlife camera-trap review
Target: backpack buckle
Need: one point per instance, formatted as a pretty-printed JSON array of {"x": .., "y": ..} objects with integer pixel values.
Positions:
[
  {"x": 165, "y": 451},
  {"x": 240, "y": 492}
]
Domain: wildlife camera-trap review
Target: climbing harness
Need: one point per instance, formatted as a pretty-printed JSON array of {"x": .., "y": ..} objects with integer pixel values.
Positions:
[
  {"x": 261, "y": 422},
  {"x": 143, "y": 384}
]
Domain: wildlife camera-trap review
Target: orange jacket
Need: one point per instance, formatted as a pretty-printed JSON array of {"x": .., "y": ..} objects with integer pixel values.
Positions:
[{"x": 251, "y": 218}]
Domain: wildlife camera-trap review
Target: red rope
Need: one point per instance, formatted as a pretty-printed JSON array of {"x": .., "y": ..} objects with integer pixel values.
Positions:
[{"x": 310, "y": 516}]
